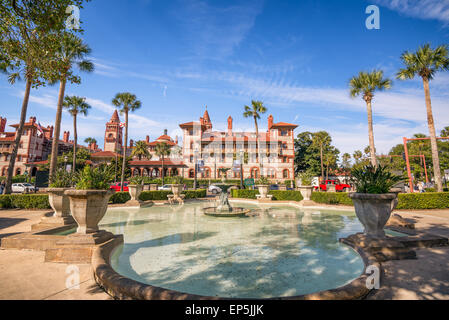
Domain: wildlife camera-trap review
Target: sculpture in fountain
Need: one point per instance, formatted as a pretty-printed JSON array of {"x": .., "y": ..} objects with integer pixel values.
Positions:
[{"x": 224, "y": 208}]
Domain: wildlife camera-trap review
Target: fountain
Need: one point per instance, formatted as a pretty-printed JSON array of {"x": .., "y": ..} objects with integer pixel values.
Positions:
[{"x": 224, "y": 209}]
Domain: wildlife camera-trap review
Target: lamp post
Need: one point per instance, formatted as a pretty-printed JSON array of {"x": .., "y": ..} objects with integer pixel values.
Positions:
[
  {"x": 241, "y": 154},
  {"x": 196, "y": 169},
  {"x": 65, "y": 162}
]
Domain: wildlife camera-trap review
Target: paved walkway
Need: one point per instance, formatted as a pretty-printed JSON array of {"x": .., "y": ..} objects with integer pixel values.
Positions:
[{"x": 25, "y": 276}]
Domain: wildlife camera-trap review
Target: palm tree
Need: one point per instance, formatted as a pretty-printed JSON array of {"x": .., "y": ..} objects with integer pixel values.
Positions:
[
  {"x": 346, "y": 157},
  {"x": 162, "y": 150},
  {"x": 71, "y": 52},
  {"x": 330, "y": 161},
  {"x": 445, "y": 132},
  {"x": 367, "y": 83},
  {"x": 426, "y": 62},
  {"x": 141, "y": 150},
  {"x": 257, "y": 108},
  {"x": 90, "y": 141},
  {"x": 357, "y": 155},
  {"x": 128, "y": 102},
  {"x": 320, "y": 139},
  {"x": 75, "y": 105}
]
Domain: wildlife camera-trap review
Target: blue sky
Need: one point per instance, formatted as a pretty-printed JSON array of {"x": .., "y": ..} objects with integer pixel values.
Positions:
[{"x": 178, "y": 56}]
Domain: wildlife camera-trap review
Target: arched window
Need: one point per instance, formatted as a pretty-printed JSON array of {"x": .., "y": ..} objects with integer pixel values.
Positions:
[
  {"x": 18, "y": 172},
  {"x": 191, "y": 173},
  {"x": 286, "y": 174},
  {"x": 255, "y": 173}
]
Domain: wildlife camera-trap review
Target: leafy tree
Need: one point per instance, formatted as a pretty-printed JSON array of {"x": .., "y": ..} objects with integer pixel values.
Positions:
[
  {"x": 426, "y": 62},
  {"x": 90, "y": 141},
  {"x": 445, "y": 132},
  {"x": 162, "y": 150},
  {"x": 75, "y": 105},
  {"x": 257, "y": 108},
  {"x": 141, "y": 150},
  {"x": 70, "y": 52},
  {"x": 26, "y": 48},
  {"x": 128, "y": 102},
  {"x": 366, "y": 83},
  {"x": 321, "y": 140}
]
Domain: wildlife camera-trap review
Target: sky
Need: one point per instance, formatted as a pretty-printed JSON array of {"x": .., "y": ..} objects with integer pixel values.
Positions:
[{"x": 179, "y": 56}]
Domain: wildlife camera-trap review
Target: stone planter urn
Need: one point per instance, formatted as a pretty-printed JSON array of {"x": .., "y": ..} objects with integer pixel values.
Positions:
[
  {"x": 283, "y": 187},
  {"x": 88, "y": 207},
  {"x": 306, "y": 192},
  {"x": 263, "y": 192},
  {"x": 374, "y": 211},
  {"x": 135, "y": 190},
  {"x": 60, "y": 203}
]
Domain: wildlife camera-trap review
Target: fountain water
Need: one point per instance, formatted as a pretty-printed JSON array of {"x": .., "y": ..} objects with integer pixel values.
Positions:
[{"x": 224, "y": 209}]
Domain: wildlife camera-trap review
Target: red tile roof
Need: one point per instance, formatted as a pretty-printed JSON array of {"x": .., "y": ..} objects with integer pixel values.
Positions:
[
  {"x": 283, "y": 125},
  {"x": 104, "y": 154},
  {"x": 155, "y": 163}
]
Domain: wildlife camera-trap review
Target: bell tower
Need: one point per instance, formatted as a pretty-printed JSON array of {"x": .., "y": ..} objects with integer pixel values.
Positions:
[{"x": 113, "y": 134}]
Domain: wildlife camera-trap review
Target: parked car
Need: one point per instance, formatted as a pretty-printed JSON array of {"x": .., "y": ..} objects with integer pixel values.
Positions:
[
  {"x": 214, "y": 189},
  {"x": 339, "y": 187},
  {"x": 117, "y": 187},
  {"x": 165, "y": 187},
  {"x": 23, "y": 188},
  {"x": 274, "y": 187}
]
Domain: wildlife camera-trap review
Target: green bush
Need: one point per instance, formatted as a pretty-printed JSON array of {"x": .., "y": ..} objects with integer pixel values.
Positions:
[
  {"x": 24, "y": 201},
  {"x": 154, "y": 195},
  {"x": 5, "y": 201},
  {"x": 277, "y": 195},
  {"x": 286, "y": 195},
  {"x": 434, "y": 190},
  {"x": 120, "y": 197},
  {"x": 244, "y": 194},
  {"x": 423, "y": 201},
  {"x": 193, "y": 194},
  {"x": 332, "y": 198}
]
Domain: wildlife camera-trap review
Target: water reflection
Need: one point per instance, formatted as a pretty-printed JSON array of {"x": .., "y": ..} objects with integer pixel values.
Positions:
[{"x": 281, "y": 252}]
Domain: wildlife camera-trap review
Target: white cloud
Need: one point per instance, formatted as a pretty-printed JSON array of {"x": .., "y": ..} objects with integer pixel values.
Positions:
[{"x": 422, "y": 9}]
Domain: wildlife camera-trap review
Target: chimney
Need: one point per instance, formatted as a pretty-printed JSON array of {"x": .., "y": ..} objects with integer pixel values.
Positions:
[
  {"x": 166, "y": 132},
  {"x": 32, "y": 120},
  {"x": 230, "y": 125},
  {"x": 148, "y": 139},
  {"x": 49, "y": 134},
  {"x": 2, "y": 124},
  {"x": 270, "y": 121},
  {"x": 66, "y": 136},
  {"x": 131, "y": 143}
]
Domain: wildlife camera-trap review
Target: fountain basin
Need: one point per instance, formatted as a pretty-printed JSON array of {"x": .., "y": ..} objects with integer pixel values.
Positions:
[{"x": 236, "y": 212}]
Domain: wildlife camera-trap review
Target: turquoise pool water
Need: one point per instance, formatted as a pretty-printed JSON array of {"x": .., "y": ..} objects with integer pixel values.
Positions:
[{"x": 285, "y": 251}]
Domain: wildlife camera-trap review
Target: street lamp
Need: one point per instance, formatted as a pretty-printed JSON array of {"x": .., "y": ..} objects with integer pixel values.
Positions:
[
  {"x": 196, "y": 169},
  {"x": 241, "y": 169},
  {"x": 65, "y": 162}
]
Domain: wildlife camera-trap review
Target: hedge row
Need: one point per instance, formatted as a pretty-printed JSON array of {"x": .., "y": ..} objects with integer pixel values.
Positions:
[
  {"x": 332, "y": 198},
  {"x": 24, "y": 201},
  {"x": 277, "y": 195},
  {"x": 411, "y": 201},
  {"x": 122, "y": 197}
]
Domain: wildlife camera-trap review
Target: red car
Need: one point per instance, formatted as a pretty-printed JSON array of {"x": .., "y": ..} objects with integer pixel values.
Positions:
[
  {"x": 339, "y": 187},
  {"x": 116, "y": 187}
]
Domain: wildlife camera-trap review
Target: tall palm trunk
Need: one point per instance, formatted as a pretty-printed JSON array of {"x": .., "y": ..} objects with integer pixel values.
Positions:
[
  {"x": 257, "y": 147},
  {"x": 75, "y": 138},
  {"x": 162, "y": 172},
  {"x": 122, "y": 180},
  {"x": 15, "y": 149},
  {"x": 433, "y": 139},
  {"x": 321, "y": 160},
  {"x": 57, "y": 132},
  {"x": 371, "y": 133}
]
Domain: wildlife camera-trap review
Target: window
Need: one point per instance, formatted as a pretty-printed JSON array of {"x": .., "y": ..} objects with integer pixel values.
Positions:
[
  {"x": 190, "y": 132},
  {"x": 284, "y": 133},
  {"x": 191, "y": 159},
  {"x": 285, "y": 174}
]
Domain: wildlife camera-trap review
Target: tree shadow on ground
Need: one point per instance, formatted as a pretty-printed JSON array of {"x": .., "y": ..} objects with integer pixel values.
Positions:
[{"x": 9, "y": 222}]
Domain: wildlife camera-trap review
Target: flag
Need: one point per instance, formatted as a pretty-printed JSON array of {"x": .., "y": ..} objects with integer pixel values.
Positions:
[
  {"x": 122, "y": 125},
  {"x": 40, "y": 131}
]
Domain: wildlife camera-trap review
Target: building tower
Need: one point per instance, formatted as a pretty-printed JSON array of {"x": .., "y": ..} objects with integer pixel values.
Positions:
[
  {"x": 113, "y": 134},
  {"x": 205, "y": 120}
]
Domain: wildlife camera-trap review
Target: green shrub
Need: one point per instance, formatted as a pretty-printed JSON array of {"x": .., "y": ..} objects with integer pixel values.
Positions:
[
  {"x": 120, "y": 197},
  {"x": 5, "y": 201},
  {"x": 194, "y": 194},
  {"x": 62, "y": 179},
  {"x": 434, "y": 190},
  {"x": 423, "y": 201},
  {"x": 154, "y": 195},
  {"x": 92, "y": 179},
  {"x": 24, "y": 201},
  {"x": 244, "y": 194},
  {"x": 374, "y": 179},
  {"x": 277, "y": 195},
  {"x": 286, "y": 195},
  {"x": 332, "y": 198}
]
